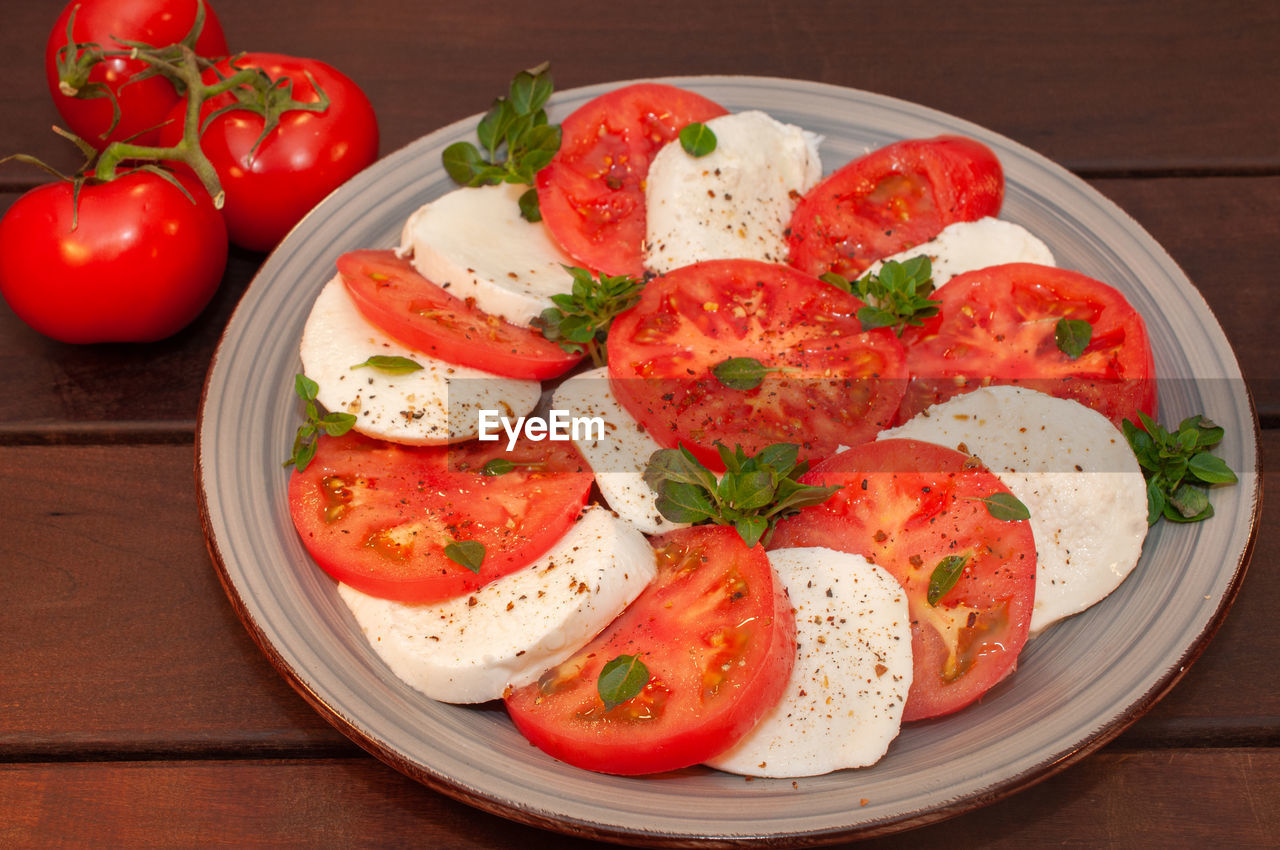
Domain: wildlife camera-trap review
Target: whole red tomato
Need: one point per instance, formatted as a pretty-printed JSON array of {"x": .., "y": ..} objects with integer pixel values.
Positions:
[
  {"x": 144, "y": 103},
  {"x": 270, "y": 187},
  {"x": 137, "y": 263}
]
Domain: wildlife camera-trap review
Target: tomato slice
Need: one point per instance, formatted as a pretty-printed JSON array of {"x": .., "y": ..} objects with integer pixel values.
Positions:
[
  {"x": 906, "y": 505},
  {"x": 997, "y": 326},
  {"x": 391, "y": 294},
  {"x": 715, "y": 631},
  {"x": 892, "y": 199},
  {"x": 378, "y": 515},
  {"x": 592, "y": 193},
  {"x": 833, "y": 383}
]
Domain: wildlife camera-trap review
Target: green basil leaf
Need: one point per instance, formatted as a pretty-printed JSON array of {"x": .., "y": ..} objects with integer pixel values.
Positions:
[
  {"x": 468, "y": 553},
  {"x": 1072, "y": 336},
  {"x": 497, "y": 466},
  {"x": 697, "y": 139},
  {"x": 462, "y": 161},
  {"x": 944, "y": 577},
  {"x": 1211, "y": 469},
  {"x": 838, "y": 281},
  {"x": 306, "y": 388},
  {"x": 740, "y": 373},
  {"x": 751, "y": 529},
  {"x": 621, "y": 679},
  {"x": 529, "y": 209},
  {"x": 337, "y": 424},
  {"x": 304, "y": 455},
  {"x": 392, "y": 365},
  {"x": 1006, "y": 507},
  {"x": 681, "y": 502},
  {"x": 1155, "y": 501}
]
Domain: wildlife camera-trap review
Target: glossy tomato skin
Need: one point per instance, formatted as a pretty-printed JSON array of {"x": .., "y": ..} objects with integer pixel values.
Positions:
[
  {"x": 905, "y": 505},
  {"x": 131, "y": 260},
  {"x": 143, "y": 104},
  {"x": 893, "y": 198},
  {"x": 391, "y": 294},
  {"x": 996, "y": 326},
  {"x": 308, "y": 154},
  {"x": 715, "y": 630},
  {"x": 832, "y": 383},
  {"x": 592, "y": 193},
  {"x": 378, "y": 516}
]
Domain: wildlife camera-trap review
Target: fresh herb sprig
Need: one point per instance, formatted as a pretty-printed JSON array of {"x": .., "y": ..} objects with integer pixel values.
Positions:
[
  {"x": 1178, "y": 466},
  {"x": 580, "y": 319},
  {"x": 334, "y": 424},
  {"x": 621, "y": 679},
  {"x": 752, "y": 495},
  {"x": 897, "y": 296},
  {"x": 516, "y": 138}
]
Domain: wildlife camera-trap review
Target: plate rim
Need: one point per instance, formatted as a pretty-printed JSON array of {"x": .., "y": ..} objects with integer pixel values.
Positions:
[{"x": 1048, "y": 765}]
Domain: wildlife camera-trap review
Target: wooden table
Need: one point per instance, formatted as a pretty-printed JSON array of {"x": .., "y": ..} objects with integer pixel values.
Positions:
[{"x": 135, "y": 709}]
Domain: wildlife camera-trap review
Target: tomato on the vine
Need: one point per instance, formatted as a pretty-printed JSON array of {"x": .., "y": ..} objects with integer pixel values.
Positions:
[
  {"x": 143, "y": 103},
  {"x": 134, "y": 259},
  {"x": 271, "y": 181}
]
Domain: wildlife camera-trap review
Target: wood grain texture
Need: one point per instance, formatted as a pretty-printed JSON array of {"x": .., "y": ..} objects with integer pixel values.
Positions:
[
  {"x": 1082, "y": 83},
  {"x": 1178, "y": 798}
]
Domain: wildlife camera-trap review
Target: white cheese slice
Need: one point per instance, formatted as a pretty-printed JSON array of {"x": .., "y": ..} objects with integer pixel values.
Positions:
[
  {"x": 733, "y": 203},
  {"x": 474, "y": 243},
  {"x": 969, "y": 245},
  {"x": 843, "y": 704},
  {"x": 1073, "y": 470},
  {"x": 512, "y": 630},
  {"x": 620, "y": 457},
  {"x": 439, "y": 403}
]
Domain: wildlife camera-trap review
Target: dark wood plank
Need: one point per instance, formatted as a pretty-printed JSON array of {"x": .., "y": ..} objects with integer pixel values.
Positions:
[
  {"x": 1217, "y": 229},
  {"x": 1083, "y": 83},
  {"x": 1221, "y": 232},
  {"x": 118, "y": 634},
  {"x": 1180, "y": 798},
  {"x": 120, "y": 638}
]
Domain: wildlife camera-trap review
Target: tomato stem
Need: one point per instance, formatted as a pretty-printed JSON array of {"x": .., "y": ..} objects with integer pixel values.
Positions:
[{"x": 187, "y": 150}]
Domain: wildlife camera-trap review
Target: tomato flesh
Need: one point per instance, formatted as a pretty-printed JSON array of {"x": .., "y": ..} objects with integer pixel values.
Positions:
[
  {"x": 715, "y": 631},
  {"x": 832, "y": 382},
  {"x": 906, "y": 505},
  {"x": 997, "y": 326},
  {"x": 391, "y": 294},
  {"x": 592, "y": 193},
  {"x": 378, "y": 516},
  {"x": 893, "y": 198}
]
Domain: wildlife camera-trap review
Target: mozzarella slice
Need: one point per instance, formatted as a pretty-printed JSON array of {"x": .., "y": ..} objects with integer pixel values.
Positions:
[
  {"x": 474, "y": 243},
  {"x": 733, "y": 203},
  {"x": 969, "y": 245},
  {"x": 843, "y": 705},
  {"x": 619, "y": 459},
  {"x": 439, "y": 403},
  {"x": 511, "y": 631},
  {"x": 1073, "y": 470}
]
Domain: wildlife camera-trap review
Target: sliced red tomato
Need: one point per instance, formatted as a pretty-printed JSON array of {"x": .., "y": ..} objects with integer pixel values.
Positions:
[
  {"x": 716, "y": 633},
  {"x": 389, "y": 292},
  {"x": 998, "y": 326},
  {"x": 592, "y": 193},
  {"x": 892, "y": 199},
  {"x": 378, "y": 516},
  {"x": 907, "y": 505},
  {"x": 830, "y": 382}
]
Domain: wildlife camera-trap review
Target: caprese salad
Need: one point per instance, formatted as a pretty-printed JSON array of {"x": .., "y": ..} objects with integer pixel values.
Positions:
[{"x": 693, "y": 455}]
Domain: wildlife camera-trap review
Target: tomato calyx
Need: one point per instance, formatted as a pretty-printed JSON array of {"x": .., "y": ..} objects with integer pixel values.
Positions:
[
  {"x": 75, "y": 61},
  {"x": 266, "y": 97}
]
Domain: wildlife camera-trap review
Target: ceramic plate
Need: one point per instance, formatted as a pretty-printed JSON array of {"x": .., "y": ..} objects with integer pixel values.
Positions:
[{"x": 1076, "y": 686}]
